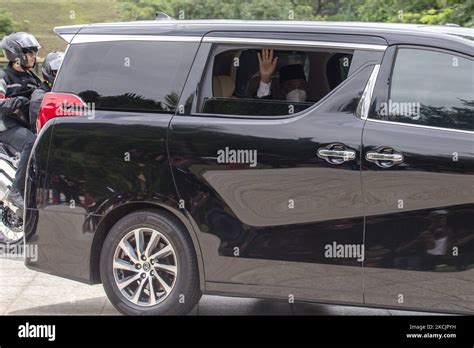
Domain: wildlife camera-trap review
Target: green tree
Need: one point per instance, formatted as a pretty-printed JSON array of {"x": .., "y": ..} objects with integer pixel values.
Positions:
[
  {"x": 218, "y": 9},
  {"x": 419, "y": 11},
  {"x": 7, "y": 26},
  {"x": 416, "y": 11}
]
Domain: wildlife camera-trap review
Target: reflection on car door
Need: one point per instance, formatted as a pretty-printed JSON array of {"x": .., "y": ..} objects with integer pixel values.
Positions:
[
  {"x": 273, "y": 226},
  {"x": 418, "y": 182}
]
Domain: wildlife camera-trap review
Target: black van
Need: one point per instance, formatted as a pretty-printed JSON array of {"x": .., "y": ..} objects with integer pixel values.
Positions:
[{"x": 177, "y": 170}]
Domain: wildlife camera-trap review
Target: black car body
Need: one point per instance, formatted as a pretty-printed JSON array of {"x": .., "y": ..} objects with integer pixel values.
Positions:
[{"x": 348, "y": 199}]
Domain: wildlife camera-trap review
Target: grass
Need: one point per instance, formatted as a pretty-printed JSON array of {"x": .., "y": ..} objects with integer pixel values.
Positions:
[{"x": 39, "y": 17}]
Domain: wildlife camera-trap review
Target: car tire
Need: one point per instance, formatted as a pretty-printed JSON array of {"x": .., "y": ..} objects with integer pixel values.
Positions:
[{"x": 121, "y": 263}]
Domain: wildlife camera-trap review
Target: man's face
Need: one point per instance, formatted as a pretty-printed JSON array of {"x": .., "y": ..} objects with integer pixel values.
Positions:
[
  {"x": 31, "y": 58},
  {"x": 291, "y": 85}
]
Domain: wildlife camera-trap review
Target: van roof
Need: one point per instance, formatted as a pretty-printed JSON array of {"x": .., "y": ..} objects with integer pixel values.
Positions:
[{"x": 392, "y": 32}]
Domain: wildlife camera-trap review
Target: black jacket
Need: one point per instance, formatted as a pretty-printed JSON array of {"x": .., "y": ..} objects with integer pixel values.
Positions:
[
  {"x": 13, "y": 84},
  {"x": 35, "y": 103}
]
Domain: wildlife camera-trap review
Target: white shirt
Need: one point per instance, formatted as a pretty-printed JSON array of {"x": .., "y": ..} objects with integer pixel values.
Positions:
[{"x": 264, "y": 89}]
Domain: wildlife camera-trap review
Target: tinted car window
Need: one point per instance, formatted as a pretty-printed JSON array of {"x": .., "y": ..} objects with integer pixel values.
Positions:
[
  {"x": 130, "y": 75},
  {"x": 235, "y": 87},
  {"x": 431, "y": 88}
]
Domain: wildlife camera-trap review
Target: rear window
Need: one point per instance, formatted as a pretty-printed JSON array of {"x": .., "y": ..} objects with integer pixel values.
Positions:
[{"x": 127, "y": 75}]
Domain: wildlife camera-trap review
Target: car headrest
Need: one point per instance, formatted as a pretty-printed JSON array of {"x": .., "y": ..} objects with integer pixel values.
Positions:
[{"x": 223, "y": 86}]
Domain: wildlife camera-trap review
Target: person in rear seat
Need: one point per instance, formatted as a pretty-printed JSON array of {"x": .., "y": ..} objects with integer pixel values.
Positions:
[
  {"x": 49, "y": 69},
  {"x": 17, "y": 83},
  {"x": 293, "y": 85}
]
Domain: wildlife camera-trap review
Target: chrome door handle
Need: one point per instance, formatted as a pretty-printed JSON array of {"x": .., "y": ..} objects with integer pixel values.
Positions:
[
  {"x": 345, "y": 155},
  {"x": 391, "y": 157}
]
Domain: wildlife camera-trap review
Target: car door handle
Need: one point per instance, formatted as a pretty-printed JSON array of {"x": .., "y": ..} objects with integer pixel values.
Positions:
[
  {"x": 390, "y": 157},
  {"x": 345, "y": 155}
]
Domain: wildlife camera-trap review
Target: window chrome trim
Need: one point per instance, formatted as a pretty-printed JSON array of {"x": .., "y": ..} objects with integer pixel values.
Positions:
[
  {"x": 294, "y": 43},
  {"x": 363, "y": 108},
  {"x": 421, "y": 126},
  {"x": 89, "y": 38}
]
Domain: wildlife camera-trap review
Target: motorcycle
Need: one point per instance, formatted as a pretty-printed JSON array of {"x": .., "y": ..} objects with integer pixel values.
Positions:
[
  {"x": 11, "y": 222},
  {"x": 11, "y": 217}
]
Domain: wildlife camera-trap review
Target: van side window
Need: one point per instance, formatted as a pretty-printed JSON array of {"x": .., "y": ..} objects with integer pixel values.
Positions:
[
  {"x": 298, "y": 80},
  {"x": 128, "y": 75},
  {"x": 431, "y": 88}
]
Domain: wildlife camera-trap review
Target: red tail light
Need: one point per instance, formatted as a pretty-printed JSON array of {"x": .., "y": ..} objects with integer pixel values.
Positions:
[{"x": 60, "y": 105}]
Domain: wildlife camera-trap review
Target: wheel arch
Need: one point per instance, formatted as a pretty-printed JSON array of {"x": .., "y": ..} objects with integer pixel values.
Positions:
[{"x": 111, "y": 218}]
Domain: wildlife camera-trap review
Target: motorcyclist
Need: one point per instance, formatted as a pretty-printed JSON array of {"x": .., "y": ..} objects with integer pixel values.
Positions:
[
  {"x": 17, "y": 83},
  {"x": 49, "y": 70}
]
